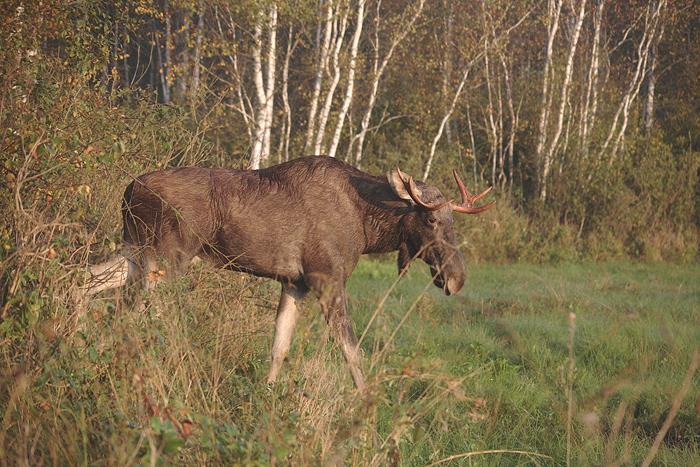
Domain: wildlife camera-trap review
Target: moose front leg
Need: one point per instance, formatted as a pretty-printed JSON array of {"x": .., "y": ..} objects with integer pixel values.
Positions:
[
  {"x": 332, "y": 299},
  {"x": 287, "y": 314},
  {"x": 109, "y": 275}
]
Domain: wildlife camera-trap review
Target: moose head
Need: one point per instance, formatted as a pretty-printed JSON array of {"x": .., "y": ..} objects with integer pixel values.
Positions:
[{"x": 428, "y": 231}]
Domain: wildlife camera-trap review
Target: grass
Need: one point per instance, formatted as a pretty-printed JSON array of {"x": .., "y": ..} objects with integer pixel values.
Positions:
[
  {"x": 636, "y": 327},
  {"x": 485, "y": 371}
]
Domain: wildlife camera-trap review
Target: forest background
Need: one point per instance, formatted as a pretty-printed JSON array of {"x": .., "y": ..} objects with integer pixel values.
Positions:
[{"x": 583, "y": 115}]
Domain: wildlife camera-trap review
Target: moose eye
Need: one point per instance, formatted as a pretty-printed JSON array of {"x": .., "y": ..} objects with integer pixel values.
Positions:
[{"x": 431, "y": 221}]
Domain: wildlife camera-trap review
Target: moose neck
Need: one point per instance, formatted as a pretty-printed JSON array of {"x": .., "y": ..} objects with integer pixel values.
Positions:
[{"x": 383, "y": 220}]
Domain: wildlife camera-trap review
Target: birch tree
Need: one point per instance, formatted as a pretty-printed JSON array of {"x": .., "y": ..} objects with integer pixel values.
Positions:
[
  {"x": 563, "y": 100},
  {"x": 323, "y": 39},
  {"x": 163, "y": 57},
  {"x": 458, "y": 93},
  {"x": 264, "y": 86},
  {"x": 590, "y": 106},
  {"x": 287, "y": 110},
  {"x": 379, "y": 68},
  {"x": 198, "y": 49},
  {"x": 618, "y": 128},
  {"x": 243, "y": 105},
  {"x": 553, "y": 13},
  {"x": 339, "y": 27},
  {"x": 347, "y": 99},
  {"x": 270, "y": 85}
]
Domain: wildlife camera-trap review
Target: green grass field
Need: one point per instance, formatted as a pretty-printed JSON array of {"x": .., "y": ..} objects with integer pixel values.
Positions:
[
  {"x": 487, "y": 370},
  {"x": 507, "y": 337}
]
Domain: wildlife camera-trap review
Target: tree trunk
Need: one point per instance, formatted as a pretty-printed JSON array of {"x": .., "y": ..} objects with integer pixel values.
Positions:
[
  {"x": 323, "y": 40},
  {"x": 260, "y": 119},
  {"x": 168, "y": 48},
  {"x": 651, "y": 88},
  {"x": 473, "y": 145},
  {"x": 652, "y": 21},
  {"x": 340, "y": 28},
  {"x": 184, "y": 59},
  {"x": 197, "y": 50},
  {"x": 244, "y": 106},
  {"x": 347, "y": 100},
  {"x": 513, "y": 120},
  {"x": 287, "y": 125},
  {"x": 378, "y": 72},
  {"x": 590, "y": 107},
  {"x": 162, "y": 73},
  {"x": 445, "y": 118},
  {"x": 455, "y": 98},
  {"x": 448, "y": 6},
  {"x": 554, "y": 10},
  {"x": 264, "y": 86},
  {"x": 270, "y": 85},
  {"x": 549, "y": 156}
]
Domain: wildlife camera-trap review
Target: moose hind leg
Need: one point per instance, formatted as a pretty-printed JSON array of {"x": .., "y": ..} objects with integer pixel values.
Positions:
[
  {"x": 287, "y": 314},
  {"x": 332, "y": 300},
  {"x": 341, "y": 328}
]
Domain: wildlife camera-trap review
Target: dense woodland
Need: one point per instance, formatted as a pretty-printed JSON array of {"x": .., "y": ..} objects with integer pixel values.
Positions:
[{"x": 582, "y": 113}]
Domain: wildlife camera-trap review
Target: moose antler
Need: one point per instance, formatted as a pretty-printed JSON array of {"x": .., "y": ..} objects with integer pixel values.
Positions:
[
  {"x": 414, "y": 193},
  {"x": 468, "y": 200}
]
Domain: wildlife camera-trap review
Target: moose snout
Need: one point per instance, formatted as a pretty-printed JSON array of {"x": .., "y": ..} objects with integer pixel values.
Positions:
[
  {"x": 454, "y": 285},
  {"x": 450, "y": 284}
]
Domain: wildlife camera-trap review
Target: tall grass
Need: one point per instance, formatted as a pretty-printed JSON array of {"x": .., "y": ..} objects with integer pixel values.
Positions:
[{"x": 486, "y": 376}]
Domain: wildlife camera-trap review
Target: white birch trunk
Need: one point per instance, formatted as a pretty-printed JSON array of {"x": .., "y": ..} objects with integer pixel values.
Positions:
[
  {"x": 651, "y": 89},
  {"x": 651, "y": 82},
  {"x": 264, "y": 91},
  {"x": 259, "y": 135},
  {"x": 590, "y": 108},
  {"x": 165, "y": 65},
  {"x": 244, "y": 104},
  {"x": 340, "y": 29},
  {"x": 455, "y": 98},
  {"x": 652, "y": 20},
  {"x": 323, "y": 40},
  {"x": 197, "y": 50},
  {"x": 270, "y": 84},
  {"x": 513, "y": 120},
  {"x": 490, "y": 122},
  {"x": 347, "y": 100},
  {"x": 563, "y": 101},
  {"x": 448, "y": 5},
  {"x": 284, "y": 139},
  {"x": 473, "y": 144},
  {"x": 183, "y": 59},
  {"x": 554, "y": 10},
  {"x": 445, "y": 118},
  {"x": 378, "y": 72}
]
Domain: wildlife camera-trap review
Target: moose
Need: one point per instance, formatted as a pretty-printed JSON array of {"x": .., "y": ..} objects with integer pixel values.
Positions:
[{"x": 304, "y": 223}]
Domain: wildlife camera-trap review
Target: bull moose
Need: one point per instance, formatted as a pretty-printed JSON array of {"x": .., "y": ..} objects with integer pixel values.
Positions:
[{"x": 304, "y": 223}]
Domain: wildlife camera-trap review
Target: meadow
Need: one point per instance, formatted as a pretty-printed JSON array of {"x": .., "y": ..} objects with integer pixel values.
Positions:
[{"x": 529, "y": 365}]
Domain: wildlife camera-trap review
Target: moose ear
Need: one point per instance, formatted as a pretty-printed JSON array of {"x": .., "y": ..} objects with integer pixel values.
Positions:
[{"x": 396, "y": 180}]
